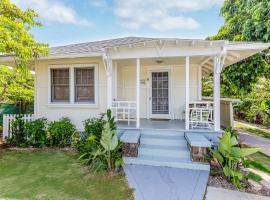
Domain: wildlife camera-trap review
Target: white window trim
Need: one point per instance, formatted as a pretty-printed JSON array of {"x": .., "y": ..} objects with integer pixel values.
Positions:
[{"x": 72, "y": 102}]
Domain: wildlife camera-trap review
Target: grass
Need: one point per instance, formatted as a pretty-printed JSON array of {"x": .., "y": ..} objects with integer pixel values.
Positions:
[
  {"x": 252, "y": 129},
  {"x": 254, "y": 177},
  {"x": 55, "y": 175},
  {"x": 261, "y": 158}
]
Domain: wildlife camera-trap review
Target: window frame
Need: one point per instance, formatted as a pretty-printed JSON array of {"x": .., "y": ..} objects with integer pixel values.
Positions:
[
  {"x": 51, "y": 85},
  {"x": 72, "y": 102},
  {"x": 74, "y": 85}
]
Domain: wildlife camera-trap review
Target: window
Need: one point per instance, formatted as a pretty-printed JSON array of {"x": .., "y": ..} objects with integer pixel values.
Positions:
[
  {"x": 84, "y": 85},
  {"x": 60, "y": 85}
]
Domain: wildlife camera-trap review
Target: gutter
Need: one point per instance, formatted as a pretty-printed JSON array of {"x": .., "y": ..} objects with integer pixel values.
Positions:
[{"x": 56, "y": 56}]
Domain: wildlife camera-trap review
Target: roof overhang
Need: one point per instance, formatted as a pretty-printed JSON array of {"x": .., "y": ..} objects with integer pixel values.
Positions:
[
  {"x": 231, "y": 52},
  {"x": 235, "y": 52},
  {"x": 56, "y": 56}
]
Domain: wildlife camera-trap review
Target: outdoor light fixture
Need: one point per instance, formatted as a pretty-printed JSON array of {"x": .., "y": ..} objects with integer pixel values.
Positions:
[{"x": 159, "y": 61}]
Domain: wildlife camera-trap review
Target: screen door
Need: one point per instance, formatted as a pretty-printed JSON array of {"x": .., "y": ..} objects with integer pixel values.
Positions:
[{"x": 160, "y": 93}]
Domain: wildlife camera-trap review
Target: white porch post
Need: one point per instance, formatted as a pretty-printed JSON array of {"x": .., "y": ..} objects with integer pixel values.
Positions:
[
  {"x": 187, "y": 94},
  {"x": 217, "y": 93},
  {"x": 138, "y": 66},
  {"x": 200, "y": 83},
  {"x": 109, "y": 83},
  {"x": 115, "y": 80}
]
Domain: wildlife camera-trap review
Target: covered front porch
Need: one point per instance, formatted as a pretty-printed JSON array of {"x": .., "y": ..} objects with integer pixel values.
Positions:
[
  {"x": 161, "y": 79},
  {"x": 160, "y": 93}
]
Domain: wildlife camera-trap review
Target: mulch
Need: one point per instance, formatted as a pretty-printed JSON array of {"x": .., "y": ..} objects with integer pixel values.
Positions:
[{"x": 220, "y": 181}]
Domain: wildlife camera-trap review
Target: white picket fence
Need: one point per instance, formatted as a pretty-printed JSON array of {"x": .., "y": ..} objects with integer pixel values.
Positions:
[{"x": 7, "y": 120}]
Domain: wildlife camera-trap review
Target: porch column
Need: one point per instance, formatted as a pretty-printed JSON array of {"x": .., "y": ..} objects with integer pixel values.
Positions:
[
  {"x": 115, "y": 96},
  {"x": 216, "y": 71},
  {"x": 187, "y": 95},
  {"x": 138, "y": 66},
  {"x": 109, "y": 83},
  {"x": 200, "y": 83}
]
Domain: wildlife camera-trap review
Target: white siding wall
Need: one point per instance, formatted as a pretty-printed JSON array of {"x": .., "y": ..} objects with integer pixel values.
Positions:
[{"x": 76, "y": 113}]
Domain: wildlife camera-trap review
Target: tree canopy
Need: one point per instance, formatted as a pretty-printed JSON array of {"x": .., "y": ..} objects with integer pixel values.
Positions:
[
  {"x": 245, "y": 20},
  {"x": 16, "y": 84},
  {"x": 15, "y": 38}
]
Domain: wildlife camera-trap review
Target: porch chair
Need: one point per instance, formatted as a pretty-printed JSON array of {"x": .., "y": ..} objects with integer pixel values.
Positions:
[
  {"x": 124, "y": 111},
  {"x": 201, "y": 118}
]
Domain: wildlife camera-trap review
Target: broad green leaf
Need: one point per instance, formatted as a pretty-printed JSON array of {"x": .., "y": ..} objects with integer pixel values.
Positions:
[
  {"x": 217, "y": 155},
  {"x": 227, "y": 171},
  {"x": 243, "y": 152},
  {"x": 234, "y": 141},
  {"x": 109, "y": 139},
  {"x": 225, "y": 143}
]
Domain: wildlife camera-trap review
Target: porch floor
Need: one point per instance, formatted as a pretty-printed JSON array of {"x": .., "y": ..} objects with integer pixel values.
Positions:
[
  {"x": 175, "y": 124},
  {"x": 154, "y": 124}
]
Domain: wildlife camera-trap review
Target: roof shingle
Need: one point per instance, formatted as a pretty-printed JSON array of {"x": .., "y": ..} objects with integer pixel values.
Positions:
[{"x": 97, "y": 46}]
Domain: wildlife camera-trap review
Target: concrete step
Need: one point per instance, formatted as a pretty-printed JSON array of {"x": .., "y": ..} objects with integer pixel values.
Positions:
[
  {"x": 166, "y": 151},
  {"x": 162, "y": 137},
  {"x": 162, "y": 132},
  {"x": 166, "y": 162},
  {"x": 163, "y": 141}
]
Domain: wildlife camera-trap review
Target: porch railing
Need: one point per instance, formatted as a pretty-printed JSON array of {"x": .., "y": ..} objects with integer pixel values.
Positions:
[
  {"x": 9, "y": 118},
  {"x": 201, "y": 114},
  {"x": 124, "y": 110}
]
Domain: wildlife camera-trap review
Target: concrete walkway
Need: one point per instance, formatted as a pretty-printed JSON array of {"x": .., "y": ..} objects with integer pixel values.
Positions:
[
  {"x": 214, "y": 193},
  {"x": 256, "y": 141},
  {"x": 163, "y": 183}
]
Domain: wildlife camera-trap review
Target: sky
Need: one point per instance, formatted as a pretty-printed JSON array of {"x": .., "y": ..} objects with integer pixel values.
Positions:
[{"x": 74, "y": 21}]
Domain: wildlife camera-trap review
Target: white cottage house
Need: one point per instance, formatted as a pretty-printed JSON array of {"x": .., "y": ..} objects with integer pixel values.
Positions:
[{"x": 149, "y": 83}]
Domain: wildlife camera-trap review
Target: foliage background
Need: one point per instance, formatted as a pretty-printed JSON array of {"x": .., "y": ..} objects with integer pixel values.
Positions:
[{"x": 245, "y": 20}]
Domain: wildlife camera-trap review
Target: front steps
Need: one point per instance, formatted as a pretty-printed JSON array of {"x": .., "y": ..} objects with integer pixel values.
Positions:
[{"x": 166, "y": 148}]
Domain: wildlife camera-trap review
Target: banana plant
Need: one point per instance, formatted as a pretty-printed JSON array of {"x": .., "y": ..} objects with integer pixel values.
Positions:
[
  {"x": 230, "y": 155},
  {"x": 109, "y": 142}
]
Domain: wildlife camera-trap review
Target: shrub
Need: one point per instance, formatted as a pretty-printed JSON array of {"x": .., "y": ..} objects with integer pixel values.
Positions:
[
  {"x": 104, "y": 153},
  {"x": 35, "y": 132},
  {"x": 230, "y": 155},
  {"x": 17, "y": 137},
  {"x": 255, "y": 106},
  {"x": 94, "y": 126},
  {"x": 60, "y": 132}
]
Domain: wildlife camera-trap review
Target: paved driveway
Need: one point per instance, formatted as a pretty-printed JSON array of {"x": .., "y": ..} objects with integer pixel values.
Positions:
[{"x": 163, "y": 183}]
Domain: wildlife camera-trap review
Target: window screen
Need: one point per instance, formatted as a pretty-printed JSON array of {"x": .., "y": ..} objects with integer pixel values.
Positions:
[
  {"x": 60, "y": 85},
  {"x": 84, "y": 85}
]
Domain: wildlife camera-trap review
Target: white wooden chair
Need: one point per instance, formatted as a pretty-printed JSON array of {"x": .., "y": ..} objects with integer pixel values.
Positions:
[
  {"x": 201, "y": 114},
  {"x": 201, "y": 118},
  {"x": 124, "y": 111}
]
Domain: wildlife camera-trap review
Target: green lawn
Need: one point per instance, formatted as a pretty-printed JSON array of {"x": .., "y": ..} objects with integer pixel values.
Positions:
[
  {"x": 252, "y": 129},
  {"x": 261, "y": 158},
  {"x": 55, "y": 175}
]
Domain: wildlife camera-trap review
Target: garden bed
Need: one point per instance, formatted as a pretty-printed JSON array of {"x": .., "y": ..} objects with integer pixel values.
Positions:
[{"x": 219, "y": 181}]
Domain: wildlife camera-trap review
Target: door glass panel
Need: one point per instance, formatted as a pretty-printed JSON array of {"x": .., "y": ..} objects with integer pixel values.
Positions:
[{"x": 160, "y": 93}]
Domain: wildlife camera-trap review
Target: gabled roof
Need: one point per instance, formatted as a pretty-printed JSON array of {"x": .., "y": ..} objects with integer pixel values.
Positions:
[{"x": 97, "y": 46}]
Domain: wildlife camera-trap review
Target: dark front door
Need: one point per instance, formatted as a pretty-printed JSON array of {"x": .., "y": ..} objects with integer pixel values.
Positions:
[{"x": 160, "y": 93}]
